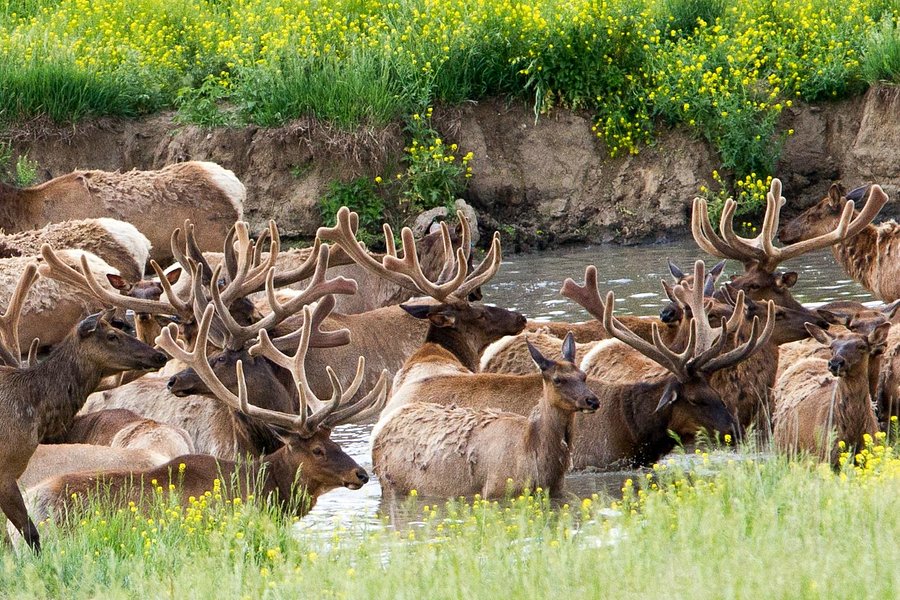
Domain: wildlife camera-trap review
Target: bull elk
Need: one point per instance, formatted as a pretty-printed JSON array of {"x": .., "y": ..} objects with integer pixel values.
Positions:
[
  {"x": 819, "y": 402},
  {"x": 869, "y": 253},
  {"x": 450, "y": 451},
  {"x": 180, "y": 191},
  {"x": 308, "y": 460},
  {"x": 40, "y": 400}
]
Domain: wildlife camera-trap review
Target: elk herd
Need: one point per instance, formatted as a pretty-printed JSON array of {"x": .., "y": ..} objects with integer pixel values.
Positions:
[{"x": 237, "y": 361}]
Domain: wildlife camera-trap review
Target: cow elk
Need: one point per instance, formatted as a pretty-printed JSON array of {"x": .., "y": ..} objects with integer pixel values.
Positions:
[
  {"x": 39, "y": 401},
  {"x": 180, "y": 191},
  {"x": 448, "y": 451},
  {"x": 819, "y": 402}
]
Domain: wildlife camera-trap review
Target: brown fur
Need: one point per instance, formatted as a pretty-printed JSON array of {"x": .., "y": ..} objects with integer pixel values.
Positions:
[
  {"x": 449, "y": 451},
  {"x": 592, "y": 331},
  {"x": 872, "y": 257},
  {"x": 510, "y": 354},
  {"x": 812, "y": 402},
  {"x": 40, "y": 401},
  {"x": 53, "y": 460},
  {"x": 89, "y": 235},
  {"x": 315, "y": 465},
  {"x": 152, "y": 201},
  {"x": 122, "y": 428}
]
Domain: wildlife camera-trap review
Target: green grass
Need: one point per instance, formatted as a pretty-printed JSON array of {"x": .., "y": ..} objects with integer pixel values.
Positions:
[
  {"x": 882, "y": 57},
  {"x": 708, "y": 525}
]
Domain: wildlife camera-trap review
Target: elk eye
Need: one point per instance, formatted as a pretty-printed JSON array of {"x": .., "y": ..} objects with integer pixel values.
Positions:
[
  {"x": 318, "y": 451},
  {"x": 220, "y": 359}
]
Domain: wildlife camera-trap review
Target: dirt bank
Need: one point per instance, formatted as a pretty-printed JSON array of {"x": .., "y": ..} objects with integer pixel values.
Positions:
[{"x": 541, "y": 183}]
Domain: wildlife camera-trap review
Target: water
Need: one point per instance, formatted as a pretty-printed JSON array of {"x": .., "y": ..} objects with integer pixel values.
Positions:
[{"x": 530, "y": 283}]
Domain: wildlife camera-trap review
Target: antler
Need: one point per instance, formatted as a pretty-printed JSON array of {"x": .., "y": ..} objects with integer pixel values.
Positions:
[
  {"x": 328, "y": 415},
  {"x": 692, "y": 296},
  {"x": 85, "y": 281},
  {"x": 317, "y": 288},
  {"x": 454, "y": 283},
  {"x": 760, "y": 250},
  {"x": 10, "y": 351}
]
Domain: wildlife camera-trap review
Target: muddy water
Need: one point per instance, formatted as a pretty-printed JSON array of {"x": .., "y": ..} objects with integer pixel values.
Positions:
[{"x": 529, "y": 283}]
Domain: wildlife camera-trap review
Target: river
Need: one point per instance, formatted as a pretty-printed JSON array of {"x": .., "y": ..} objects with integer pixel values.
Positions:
[{"x": 530, "y": 283}]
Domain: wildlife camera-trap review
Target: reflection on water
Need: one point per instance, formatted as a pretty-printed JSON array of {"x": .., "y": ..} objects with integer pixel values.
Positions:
[{"x": 530, "y": 283}]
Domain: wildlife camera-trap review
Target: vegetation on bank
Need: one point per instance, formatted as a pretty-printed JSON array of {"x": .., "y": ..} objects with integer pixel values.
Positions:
[
  {"x": 712, "y": 524},
  {"x": 723, "y": 68}
]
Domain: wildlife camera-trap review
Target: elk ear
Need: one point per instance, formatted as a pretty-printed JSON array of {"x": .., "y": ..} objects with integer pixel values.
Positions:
[
  {"x": 717, "y": 270},
  {"x": 878, "y": 337},
  {"x": 891, "y": 309},
  {"x": 786, "y": 279},
  {"x": 670, "y": 395},
  {"x": 568, "y": 347},
  {"x": 419, "y": 311},
  {"x": 835, "y": 194},
  {"x": 539, "y": 359},
  {"x": 173, "y": 275},
  {"x": 833, "y": 318},
  {"x": 676, "y": 272},
  {"x": 820, "y": 335},
  {"x": 118, "y": 282},
  {"x": 88, "y": 325},
  {"x": 857, "y": 194}
]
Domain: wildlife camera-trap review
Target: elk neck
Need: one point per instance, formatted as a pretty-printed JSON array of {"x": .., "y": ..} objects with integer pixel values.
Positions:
[
  {"x": 63, "y": 382},
  {"x": 12, "y": 203},
  {"x": 859, "y": 256},
  {"x": 282, "y": 476},
  {"x": 548, "y": 438},
  {"x": 455, "y": 342},
  {"x": 649, "y": 428},
  {"x": 853, "y": 414}
]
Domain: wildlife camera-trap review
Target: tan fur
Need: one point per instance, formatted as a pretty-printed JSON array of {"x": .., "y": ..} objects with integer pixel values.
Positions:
[
  {"x": 153, "y": 201},
  {"x": 52, "y": 307},
  {"x": 53, "y": 460},
  {"x": 510, "y": 354},
  {"x": 592, "y": 331},
  {"x": 127, "y": 256},
  {"x": 122, "y": 428},
  {"x": 808, "y": 398}
]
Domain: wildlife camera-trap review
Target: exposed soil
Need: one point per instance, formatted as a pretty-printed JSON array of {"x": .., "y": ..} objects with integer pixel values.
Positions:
[{"x": 542, "y": 184}]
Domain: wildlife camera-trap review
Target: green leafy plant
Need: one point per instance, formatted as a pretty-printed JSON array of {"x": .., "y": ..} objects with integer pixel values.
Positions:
[
  {"x": 749, "y": 193},
  {"x": 358, "y": 195}
]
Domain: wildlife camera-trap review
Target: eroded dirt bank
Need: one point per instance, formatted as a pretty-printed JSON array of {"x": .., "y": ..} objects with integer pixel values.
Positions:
[{"x": 542, "y": 183}]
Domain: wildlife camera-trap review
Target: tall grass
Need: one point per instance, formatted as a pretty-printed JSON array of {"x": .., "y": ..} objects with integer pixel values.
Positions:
[
  {"x": 706, "y": 525},
  {"x": 882, "y": 57}
]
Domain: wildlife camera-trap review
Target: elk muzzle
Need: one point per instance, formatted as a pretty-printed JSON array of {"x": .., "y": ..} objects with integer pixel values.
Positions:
[{"x": 357, "y": 480}]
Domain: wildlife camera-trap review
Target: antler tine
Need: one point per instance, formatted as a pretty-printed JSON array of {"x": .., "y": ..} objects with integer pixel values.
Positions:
[
  {"x": 33, "y": 351},
  {"x": 845, "y": 228},
  {"x": 320, "y": 339},
  {"x": 250, "y": 278},
  {"x": 450, "y": 257},
  {"x": 737, "y": 316},
  {"x": 228, "y": 254},
  {"x": 344, "y": 234},
  {"x": 390, "y": 246},
  {"x": 410, "y": 267},
  {"x": 695, "y": 301},
  {"x": 705, "y": 236},
  {"x": 304, "y": 271},
  {"x": 85, "y": 281},
  {"x": 197, "y": 359},
  {"x": 750, "y": 249},
  {"x": 183, "y": 307},
  {"x": 465, "y": 233},
  {"x": 484, "y": 272},
  {"x": 652, "y": 351},
  {"x": 756, "y": 340},
  {"x": 178, "y": 246},
  {"x": 587, "y": 295},
  {"x": 366, "y": 407},
  {"x": 258, "y": 246},
  {"x": 10, "y": 351}
]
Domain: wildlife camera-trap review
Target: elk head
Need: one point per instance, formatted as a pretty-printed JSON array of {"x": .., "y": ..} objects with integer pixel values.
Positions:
[
  {"x": 850, "y": 350},
  {"x": 565, "y": 385},
  {"x": 105, "y": 340},
  {"x": 821, "y": 217}
]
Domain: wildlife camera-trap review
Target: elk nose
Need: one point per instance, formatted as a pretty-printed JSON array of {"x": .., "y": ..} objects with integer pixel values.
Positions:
[
  {"x": 668, "y": 314},
  {"x": 171, "y": 383},
  {"x": 159, "y": 360},
  {"x": 592, "y": 403},
  {"x": 835, "y": 365},
  {"x": 363, "y": 476}
]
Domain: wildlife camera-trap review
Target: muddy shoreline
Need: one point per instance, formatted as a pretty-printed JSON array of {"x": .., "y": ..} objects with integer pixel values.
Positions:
[{"x": 542, "y": 184}]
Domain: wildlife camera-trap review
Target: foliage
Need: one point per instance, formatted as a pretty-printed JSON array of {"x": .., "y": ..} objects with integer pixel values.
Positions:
[
  {"x": 882, "y": 58},
  {"x": 22, "y": 173},
  {"x": 434, "y": 175},
  {"x": 358, "y": 195},
  {"x": 707, "y": 524},
  {"x": 750, "y": 198},
  {"x": 722, "y": 68}
]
